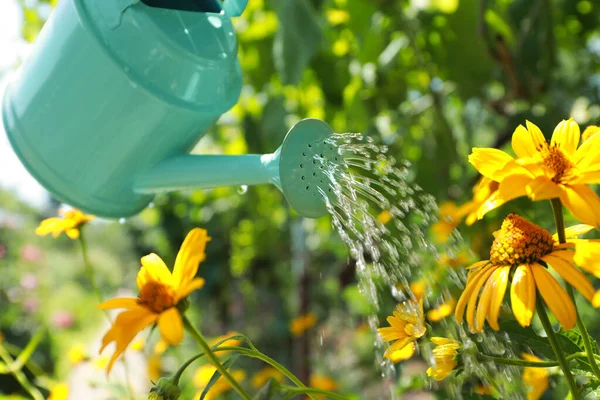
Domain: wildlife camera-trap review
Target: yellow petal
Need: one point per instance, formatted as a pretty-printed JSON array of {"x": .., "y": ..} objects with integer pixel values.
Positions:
[
  {"x": 542, "y": 188},
  {"x": 587, "y": 256},
  {"x": 587, "y": 156},
  {"x": 473, "y": 299},
  {"x": 596, "y": 299},
  {"x": 583, "y": 203},
  {"x": 575, "y": 231},
  {"x": 403, "y": 354},
  {"x": 522, "y": 295},
  {"x": 586, "y": 178},
  {"x": 397, "y": 346},
  {"x": 522, "y": 143},
  {"x": 472, "y": 280},
  {"x": 123, "y": 302},
  {"x": 499, "y": 289},
  {"x": 195, "y": 284},
  {"x": 566, "y": 136},
  {"x": 190, "y": 255},
  {"x": 571, "y": 275},
  {"x": 124, "y": 329},
  {"x": 537, "y": 137},
  {"x": 153, "y": 269},
  {"x": 484, "y": 302},
  {"x": 509, "y": 189},
  {"x": 171, "y": 326},
  {"x": 490, "y": 162},
  {"x": 554, "y": 296},
  {"x": 72, "y": 233}
]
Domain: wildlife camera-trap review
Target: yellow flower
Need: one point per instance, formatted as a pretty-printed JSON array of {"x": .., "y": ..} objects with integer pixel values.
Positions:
[
  {"x": 535, "y": 378},
  {"x": 417, "y": 288},
  {"x": 483, "y": 190},
  {"x": 100, "y": 362},
  {"x": 450, "y": 217},
  {"x": 442, "y": 311},
  {"x": 160, "y": 347},
  {"x": 137, "y": 345},
  {"x": 59, "y": 392},
  {"x": 301, "y": 324},
  {"x": 323, "y": 382},
  {"x": 542, "y": 170},
  {"x": 526, "y": 250},
  {"x": 384, "y": 217},
  {"x": 77, "y": 354},
  {"x": 406, "y": 326},
  {"x": 160, "y": 293},
  {"x": 444, "y": 354},
  {"x": 154, "y": 368},
  {"x": 222, "y": 385},
  {"x": 261, "y": 377},
  {"x": 70, "y": 223}
]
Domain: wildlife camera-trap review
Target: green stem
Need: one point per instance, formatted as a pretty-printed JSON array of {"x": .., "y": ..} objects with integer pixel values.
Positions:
[
  {"x": 297, "y": 391},
  {"x": 89, "y": 270},
  {"x": 19, "y": 375},
  {"x": 534, "y": 364},
  {"x": 587, "y": 342},
  {"x": 562, "y": 362},
  {"x": 213, "y": 359}
]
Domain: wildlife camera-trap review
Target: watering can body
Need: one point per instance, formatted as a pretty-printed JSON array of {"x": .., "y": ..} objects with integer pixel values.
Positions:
[
  {"x": 113, "y": 88},
  {"x": 116, "y": 93}
]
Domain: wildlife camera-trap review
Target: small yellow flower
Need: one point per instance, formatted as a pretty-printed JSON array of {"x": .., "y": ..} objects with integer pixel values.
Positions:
[
  {"x": 527, "y": 250},
  {"x": 418, "y": 288},
  {"x": 450, "y": 217},
  {"x": 442, "y": 311},
  {"x": 154, "y": 368},
  {"x": 261, "y": 377},
  {"x": 536, "y": 379},
  {"x": 70, "y": 223},
  {"x": 100, "y": 362},
  {"x": 323, "y": 382},
  {"x": 160, "y": 293},
  {"x": 77, "y": 354},
  {"x": 542, "y": 170},
  {"x": 384, "y": 217},
  {"x": 222, "y": 385},
  {"x": 59, "y": 392},
  {"x": 406, "y": 326},
  {"x": 301, "y": 324},
  {"x": 160, "y": 347},
  {"x": 444, "y": 355}
]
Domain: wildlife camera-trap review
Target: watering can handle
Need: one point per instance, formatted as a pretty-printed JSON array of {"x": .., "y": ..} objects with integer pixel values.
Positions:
[{"x": 234, "y": 8}]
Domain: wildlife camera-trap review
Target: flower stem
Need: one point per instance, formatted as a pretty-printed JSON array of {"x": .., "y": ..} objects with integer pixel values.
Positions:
[
  {"x": 587, "y": 343},
  {"x": 89, "y": 270},
  {"x": 213, "y": 359},
  {"x": 297, "y": 391},
  {"x": 534, "y": 364},
  {"x": 19, "y": 375},
  {"x": 562, "y": 362}
]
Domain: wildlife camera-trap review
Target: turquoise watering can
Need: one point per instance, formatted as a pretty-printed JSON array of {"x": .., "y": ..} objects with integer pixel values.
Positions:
[{"x": 116, "y": 94}]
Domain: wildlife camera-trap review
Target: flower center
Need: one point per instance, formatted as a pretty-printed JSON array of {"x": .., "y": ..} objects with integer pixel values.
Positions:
[
  {"x": 157, "y": 296},
  {"x": 557, "y": 162},
  {"x": 519, "y": 242}
]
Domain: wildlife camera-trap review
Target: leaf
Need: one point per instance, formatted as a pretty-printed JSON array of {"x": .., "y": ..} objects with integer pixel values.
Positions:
[
  {"x": 591, "y": 390},
  {"x": 574, "y": 336},
  {"x": 539, "y": 344},
  {"x": 217, "y": 375},
  {"x": 268, "y": 391},
  {"x": 296, "y": 40}
]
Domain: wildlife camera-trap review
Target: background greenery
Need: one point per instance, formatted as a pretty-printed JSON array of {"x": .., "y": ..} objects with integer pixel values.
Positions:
[{"x": 429, "y": 78}]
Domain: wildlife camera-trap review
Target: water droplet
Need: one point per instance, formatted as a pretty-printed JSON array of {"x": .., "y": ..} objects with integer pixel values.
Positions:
[
  {"x": 242, "y": 189},
  {"x": 151, "y": 204},
  {"x": 122, "y": 221}
]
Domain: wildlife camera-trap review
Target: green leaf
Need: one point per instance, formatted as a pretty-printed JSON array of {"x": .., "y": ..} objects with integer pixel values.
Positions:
[
  {"x": 574, "y": 336},
  {"x": 591, "y": 390},
  {"x": 297, "y": 39},
  {"x": 217, "y": 375},
  {"x": 539, "y": 344},
  {"x": 269, "y": 391}
]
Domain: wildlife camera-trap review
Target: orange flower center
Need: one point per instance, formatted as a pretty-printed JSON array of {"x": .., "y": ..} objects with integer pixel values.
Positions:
[
  {"x": 519, "y": 242},
  {"x": 157, "y": 296},
  {"x": 558, "y": 163}
]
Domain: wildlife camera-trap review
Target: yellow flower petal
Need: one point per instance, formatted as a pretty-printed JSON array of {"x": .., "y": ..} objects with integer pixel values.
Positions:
[
  {"x": 124, "y": 329},
  {"x": 575, "y": 231},
  {"x": 153, "y": 269},
  {"x": 509, "y": 189},
  {"x": 484, "y": 302},
  {"x": 473, "y": 299},
  {"x": 571, "y": 275},
  {"x": 499, "y": 289},
  {"x": 542, "y": 188},
  {"x": 171, "y": 326},
  {"x": 466, "y": 295},
  {"x": 587, "y": 256},
  {"x": 195, "y": 284},
  {"x": 522, "y": 295},
  {"x": 554, "y": 296},
  {"x": 583, "y": 203},
  {"x": 123, "y": 302},
  {"x": 587, "y": 156},
  {"x": 537, "y": 137},
  {"x": 566, "y": 136},
  {"x": 491, "y": 163},
  {"x": 403, "y": 354},
  {"x": 190, "y": 255},
  {"x": 522, "y": 143}
]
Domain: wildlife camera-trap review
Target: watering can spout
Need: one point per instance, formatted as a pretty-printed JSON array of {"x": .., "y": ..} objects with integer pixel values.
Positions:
[
  {"x": 291, "y": 168},
  {"x": 209, "y": 171}
]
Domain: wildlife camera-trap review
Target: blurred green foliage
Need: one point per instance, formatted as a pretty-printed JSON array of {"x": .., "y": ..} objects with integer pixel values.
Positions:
[{"x": 431, "y": 79}]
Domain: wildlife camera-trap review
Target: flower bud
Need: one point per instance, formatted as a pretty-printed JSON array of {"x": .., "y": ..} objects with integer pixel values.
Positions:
[{"x": 164, "y": 389}]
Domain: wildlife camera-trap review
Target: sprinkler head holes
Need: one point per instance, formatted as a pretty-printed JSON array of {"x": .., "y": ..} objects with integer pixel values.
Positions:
[{"x": 306, "y": 154}]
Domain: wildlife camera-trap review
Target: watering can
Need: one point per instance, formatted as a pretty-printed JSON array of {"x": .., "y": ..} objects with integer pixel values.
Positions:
[{"x": 116, "y": 93}]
